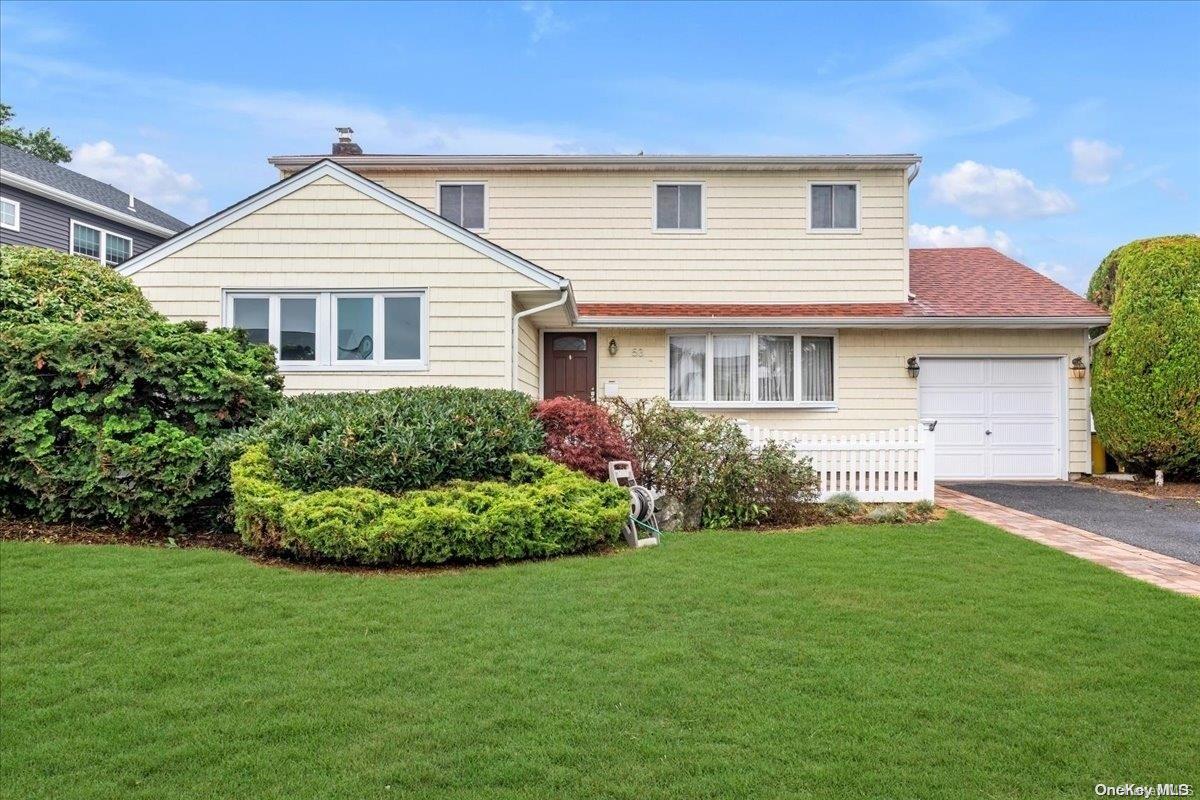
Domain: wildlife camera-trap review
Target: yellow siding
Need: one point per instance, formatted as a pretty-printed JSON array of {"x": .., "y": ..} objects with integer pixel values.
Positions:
[
  {"x": 873, "y": 389},
  {"x": 596, "y": 229},
  {"x": 528, "y": 358},
  {"x": 328, "y": 236}
]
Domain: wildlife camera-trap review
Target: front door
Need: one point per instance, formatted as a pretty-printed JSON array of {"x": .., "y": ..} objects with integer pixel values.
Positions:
[{"x": 570, "y": 365}]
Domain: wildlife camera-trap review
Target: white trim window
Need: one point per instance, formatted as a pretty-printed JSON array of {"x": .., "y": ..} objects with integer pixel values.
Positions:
[
  {"x": 90, "y": 241},
  {"x": 352, "y": 330},
  {"x": 735, "y": 370},
  {"x": 10, "y": 214},
  {"x": 679, "y": 207},
  {"x": 464, "y": 204},
  {"x": 833, "y": 206}
]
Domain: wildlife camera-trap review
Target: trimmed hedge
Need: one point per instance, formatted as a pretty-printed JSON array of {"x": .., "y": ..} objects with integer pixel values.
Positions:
[
  {"x": 40, "y": 285},
  {"x": 110, "y": 421},
  {"x": 398, "y": 439},
  {"x": 546, "y": 510},
  {"x": 1146, "y": 371}
]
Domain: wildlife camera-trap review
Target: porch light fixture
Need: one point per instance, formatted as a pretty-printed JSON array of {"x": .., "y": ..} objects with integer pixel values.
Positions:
[
  {"x": 1078, "y": 368},
  {"x": 914, "y": 367},
  {"x": 612, "y": 347}
]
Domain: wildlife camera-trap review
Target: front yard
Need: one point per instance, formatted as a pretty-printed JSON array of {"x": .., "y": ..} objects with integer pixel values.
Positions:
[{"x": 932, "y": 661}]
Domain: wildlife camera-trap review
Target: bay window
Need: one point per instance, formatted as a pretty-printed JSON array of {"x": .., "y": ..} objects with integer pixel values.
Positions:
[
  {"x": 335, "y": 330},
  {"x": 750, "y": 369}
]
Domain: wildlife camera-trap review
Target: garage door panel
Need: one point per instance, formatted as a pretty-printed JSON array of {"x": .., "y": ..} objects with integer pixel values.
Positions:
[
  {"x": 961, "y": 432},
  {"x": 954, "y": 403},
  {"x": 1035, "y": 464},
  {"x": 1029, "y": 433},
  {"x": 954, "y": 372},
  {"x": 1022, "y": 401},
  {"x": 962, "y": 464},
  {"x": 1023, "y": 371}
]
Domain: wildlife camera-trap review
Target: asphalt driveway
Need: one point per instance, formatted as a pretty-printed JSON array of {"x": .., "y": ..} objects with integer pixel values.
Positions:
[{"x": 1170, "y": 527}]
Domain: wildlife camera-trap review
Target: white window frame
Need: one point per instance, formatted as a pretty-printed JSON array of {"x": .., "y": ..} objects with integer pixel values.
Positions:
[
  {"x": 104, "y": 234},
  {"x": 326, "y": 328},
  {"x": 679, "y": 231},
  {"x": 808, "y": 207},
  {"x": 753, "y": 402},
  {"x": 487, "y": 216},
  {"x": 16, "y": 226}
]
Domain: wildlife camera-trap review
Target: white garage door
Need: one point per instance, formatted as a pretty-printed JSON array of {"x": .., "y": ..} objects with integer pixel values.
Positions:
[{"x": 997, "y": 417}]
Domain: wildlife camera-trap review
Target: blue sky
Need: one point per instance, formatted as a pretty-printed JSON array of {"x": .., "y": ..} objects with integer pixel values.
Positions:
[{"x": 1054, "y": 131}]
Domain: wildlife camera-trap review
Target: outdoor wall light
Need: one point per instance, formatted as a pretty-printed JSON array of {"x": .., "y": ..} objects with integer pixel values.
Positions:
[
  {"x": 612, "y": 347},
  {"x": 1078, "y": 368},
  {"x": 914, "y": 367}
]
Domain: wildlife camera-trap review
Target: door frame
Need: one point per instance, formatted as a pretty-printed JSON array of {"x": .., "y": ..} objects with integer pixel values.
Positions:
[
  {"x": 542, "y": 357},
  {"x": 1064, "y": 407}
]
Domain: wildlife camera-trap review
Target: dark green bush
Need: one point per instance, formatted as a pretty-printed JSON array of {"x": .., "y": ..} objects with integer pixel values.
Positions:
[
  {"x": 39, "y": 285},
  {"x": 705, "y": 466},
  {"x": 110, "y": 421},
  {"x": 1146, "y": 371},
  {"x": 398, "y": 439},
  {"x": 546, "y": 510}
]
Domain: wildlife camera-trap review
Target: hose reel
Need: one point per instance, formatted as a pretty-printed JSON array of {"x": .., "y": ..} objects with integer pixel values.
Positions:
[{"x": 641, "y": 529}]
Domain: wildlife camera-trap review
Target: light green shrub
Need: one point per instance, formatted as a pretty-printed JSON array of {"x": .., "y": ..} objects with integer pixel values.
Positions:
[
  {"x": 888, "y": 514},
  {"x": 843, "y": 504}
]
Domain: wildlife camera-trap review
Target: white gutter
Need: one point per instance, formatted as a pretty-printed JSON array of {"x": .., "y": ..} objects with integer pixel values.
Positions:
[
  {"x": 623, "y": 162},
  {"x": 516, "y": 324},
  {"x": 66, "y": 198},
  {"x": 842, "y": 322}
]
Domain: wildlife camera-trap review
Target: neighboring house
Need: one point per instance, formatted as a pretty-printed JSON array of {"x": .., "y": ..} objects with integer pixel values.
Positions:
[
  {"x": 777, "y": 289},
  {"x": 46, "y": 205}
]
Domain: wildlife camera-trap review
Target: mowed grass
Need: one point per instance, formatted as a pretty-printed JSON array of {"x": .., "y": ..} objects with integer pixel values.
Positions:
[{"x": 949, "y": 660}]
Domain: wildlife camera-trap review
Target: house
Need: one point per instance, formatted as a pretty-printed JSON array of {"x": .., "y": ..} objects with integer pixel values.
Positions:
[
  {"x": 47, "y": 205},
  {"x": 777, "y": 289}
]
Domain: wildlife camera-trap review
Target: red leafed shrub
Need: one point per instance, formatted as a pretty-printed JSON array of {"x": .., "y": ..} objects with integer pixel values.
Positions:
[{"x": 581, "y": 436}]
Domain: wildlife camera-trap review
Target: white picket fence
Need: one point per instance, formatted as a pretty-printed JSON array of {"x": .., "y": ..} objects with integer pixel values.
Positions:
[{"x": 879, "y": 467}]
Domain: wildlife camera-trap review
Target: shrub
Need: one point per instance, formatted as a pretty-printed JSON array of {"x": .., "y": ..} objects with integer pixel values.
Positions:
[
  {"x": 843, "y": 504},
  {"x": 924, "y": 508},
  {"x": 705, "y": 465},
  {"x": 888, "y": 514},
  {"x": 109, "y": 421},
  {"x": 581, "y": 436},
  {"x": 397, "y": 439},
  {"x": 39, "y": 285},
  {"x": 546, "y": 510},
  {"x": 1146, "y": 371}
]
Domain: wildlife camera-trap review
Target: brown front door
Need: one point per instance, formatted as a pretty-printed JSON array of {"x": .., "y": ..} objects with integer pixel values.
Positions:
[{"x": 570, "y": 365}]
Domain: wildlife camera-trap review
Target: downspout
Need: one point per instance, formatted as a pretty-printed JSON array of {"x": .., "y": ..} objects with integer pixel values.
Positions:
[
  {"x": 916, "y": 170},
  {"x": 516, "y": 326}
]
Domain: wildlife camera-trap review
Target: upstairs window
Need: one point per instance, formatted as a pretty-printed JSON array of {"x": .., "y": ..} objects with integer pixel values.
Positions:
[
  {"x": 833, "y": 207},
  {"x": 10, "y": 214},
  {"x": 750, "y": 369},
  {"x": 100, "y": 244},
  {"x": 464, "y": 204},
  {"x": 678, "y": 207}
]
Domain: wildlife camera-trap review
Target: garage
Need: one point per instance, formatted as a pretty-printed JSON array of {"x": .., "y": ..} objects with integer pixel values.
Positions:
[{"x": 997, "y": 417}]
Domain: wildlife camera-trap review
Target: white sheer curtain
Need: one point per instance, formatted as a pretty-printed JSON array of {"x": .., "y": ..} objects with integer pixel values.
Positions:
[
  {"x": 731, "y": 368},
  {"x": 687, "y": 367},
  {"x": 816, "y": 368},
  {"x": 776, "y": 368}
]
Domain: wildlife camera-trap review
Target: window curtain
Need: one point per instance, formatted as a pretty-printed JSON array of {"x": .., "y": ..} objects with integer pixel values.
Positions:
[
  {"x": 687, "y": 367},
  {"x": 776, "y": 368},
  {"x": 816, "y": 369},
  {"x": 731, "y": 368}
]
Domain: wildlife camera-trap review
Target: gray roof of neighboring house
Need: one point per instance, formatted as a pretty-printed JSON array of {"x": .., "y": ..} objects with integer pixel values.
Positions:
[{"x": 29, "y": 166}]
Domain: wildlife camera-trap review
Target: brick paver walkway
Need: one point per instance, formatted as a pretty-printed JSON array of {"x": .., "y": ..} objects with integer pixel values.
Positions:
[{"x": 1169, "y": 573}]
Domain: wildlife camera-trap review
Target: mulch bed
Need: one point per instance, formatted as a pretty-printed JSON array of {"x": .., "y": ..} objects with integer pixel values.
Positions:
[{"x": 1145, "y": 488}]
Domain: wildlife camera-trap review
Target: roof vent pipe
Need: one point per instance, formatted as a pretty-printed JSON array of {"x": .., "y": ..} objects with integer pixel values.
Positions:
[
  {"x": 132, "y": 206},
  {"x": 345, "y": 145}
]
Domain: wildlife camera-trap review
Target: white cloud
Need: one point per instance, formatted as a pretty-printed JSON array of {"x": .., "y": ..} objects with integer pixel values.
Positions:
[
  {"x": 1171, "y": 189},
  {"x": 1053, "y": 271},
  {"x": 986, "y": 191},
  {"x": 146, "y": 176},
  {"x": 545, "y": 20},
  {"x": 953, "y": 236},
  {"x": 1092, "y": 160}
]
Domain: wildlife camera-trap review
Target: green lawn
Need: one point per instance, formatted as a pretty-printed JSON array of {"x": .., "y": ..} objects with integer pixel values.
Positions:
[{"x": 949, "y": 660}]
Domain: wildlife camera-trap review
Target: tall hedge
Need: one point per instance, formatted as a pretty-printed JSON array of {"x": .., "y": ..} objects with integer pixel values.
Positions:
[
  {"x": 40, "y": 285},
  {"x": 1146, "y": 371},
  {"x": 398, "y": 439},
  {"x": 110, "y": 421}
]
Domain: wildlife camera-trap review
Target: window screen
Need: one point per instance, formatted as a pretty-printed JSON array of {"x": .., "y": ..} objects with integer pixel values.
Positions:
[
  {"x": 462, "y": 204},
  {"x": 679, "y": 207}
]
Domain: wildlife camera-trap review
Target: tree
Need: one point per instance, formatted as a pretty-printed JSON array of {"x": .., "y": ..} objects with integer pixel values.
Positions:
[
  {"x": 1146, "y": 370},
  {"x": 41, "y": 143}
]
